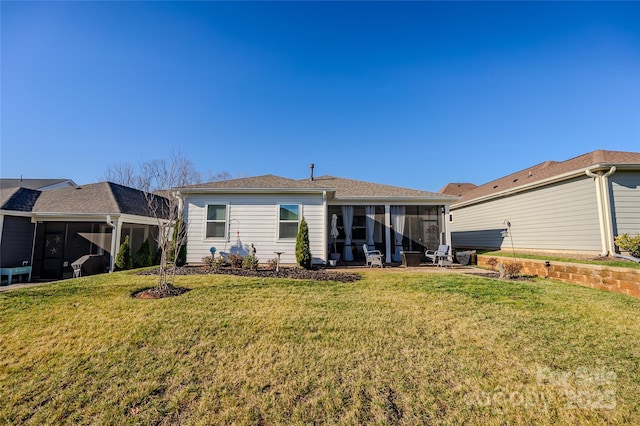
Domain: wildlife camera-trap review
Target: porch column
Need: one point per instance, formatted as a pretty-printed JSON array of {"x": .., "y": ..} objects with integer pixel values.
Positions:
[
  {"x": 116, "y": 232},
  {"x": 446, "y": 227},
  {"x": 387, "y": 232}
]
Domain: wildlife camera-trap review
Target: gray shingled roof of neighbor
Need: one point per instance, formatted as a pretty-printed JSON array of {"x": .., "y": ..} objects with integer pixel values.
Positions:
[
  {"x": 18, "y": 199},
  {"x": 97, "y": 198},
  {"x": 552, "y": 169},
  {"x": 30, "y": 183},
  {"x": 342, "y": 188}
]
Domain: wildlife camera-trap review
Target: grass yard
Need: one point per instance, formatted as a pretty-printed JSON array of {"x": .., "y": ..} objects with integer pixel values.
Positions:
[{"x": 393, "y": 348}]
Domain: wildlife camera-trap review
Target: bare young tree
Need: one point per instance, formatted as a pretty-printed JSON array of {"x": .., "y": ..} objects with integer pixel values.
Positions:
[{"x": 157, "y": 178}]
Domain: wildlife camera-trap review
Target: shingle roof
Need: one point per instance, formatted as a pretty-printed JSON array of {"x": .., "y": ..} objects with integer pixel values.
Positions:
[
  {"x": 457, "y": 188},
  {"x": 97, "y": 198},
  {"x": 255, "y": 182},
  {"x": 30, "y": 183},
  {"x": 551, "y": 169},
  {"x": 341, "y": 186},
  {"x": 345, "y": 188},
  {"x": 18, "y": 199}
]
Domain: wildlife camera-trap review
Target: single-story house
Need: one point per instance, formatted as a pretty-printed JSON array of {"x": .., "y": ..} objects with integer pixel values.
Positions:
[
  {"x": 48, "y": 229},
  {"x": 266, "y": 211},
  {"x": 578, "y": 205}
]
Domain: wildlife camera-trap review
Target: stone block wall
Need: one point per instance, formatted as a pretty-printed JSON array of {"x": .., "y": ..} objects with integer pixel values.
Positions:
[{"x": 619, "y": 280}]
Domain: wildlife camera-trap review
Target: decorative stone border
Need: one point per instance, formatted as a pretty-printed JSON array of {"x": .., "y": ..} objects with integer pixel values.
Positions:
[{"x": 609, "y": 278}]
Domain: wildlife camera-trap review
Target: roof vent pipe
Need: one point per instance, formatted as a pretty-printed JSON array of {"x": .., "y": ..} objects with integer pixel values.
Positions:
[{"x": 311, "y": 166}]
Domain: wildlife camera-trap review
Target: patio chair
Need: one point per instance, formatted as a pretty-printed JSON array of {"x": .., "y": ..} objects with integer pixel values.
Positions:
[
  {"x": 373, "y": 257},
  {"x": 440, "y": 256}
]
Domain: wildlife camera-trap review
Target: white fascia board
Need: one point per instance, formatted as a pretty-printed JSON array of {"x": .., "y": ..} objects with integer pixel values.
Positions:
[
  {"x": 407, "y": 201},
  {"x": 95, "y": 217},
  {"x": 72, "y": 217},
  {"x": 15, "y": 213},
  {"x": 528, "y": 187},
  {"x": 141, "y": 220}
]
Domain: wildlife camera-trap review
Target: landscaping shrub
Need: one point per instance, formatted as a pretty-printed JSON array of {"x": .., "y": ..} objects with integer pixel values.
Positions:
[
  {"x": 235, "y": 260},
  {"x": 629, "y": 243},
  {"x": 303, "y": 252},
  {"x": 143, "y": 255},
  {"x": 272, "y": 263},
  {"x": 123, "y": 258},
  {"x": 250, "y": 262},
  {"x": 217, "y": 263}
]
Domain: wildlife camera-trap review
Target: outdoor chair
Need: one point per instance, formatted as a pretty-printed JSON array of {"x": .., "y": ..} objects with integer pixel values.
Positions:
[
  {"x": 373, "y": 257},
  {"x": 440, "y": 256}
]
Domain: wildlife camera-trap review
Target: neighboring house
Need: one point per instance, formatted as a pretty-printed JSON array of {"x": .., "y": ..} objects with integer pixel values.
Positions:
[
  {"x": 578, "y": 205},
  {"x": 266, "y": 211},
  {"x": 37, "y": 184},
  {"x": 52, "y": 228}
]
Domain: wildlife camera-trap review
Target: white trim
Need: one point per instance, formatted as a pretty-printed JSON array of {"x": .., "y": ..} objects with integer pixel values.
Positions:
[
  {"x": 15, "y": 213},
  {"x": 278, "y": 238},
  {"x": 226, "y": 236},
  {"x": 404, "y": 201}
]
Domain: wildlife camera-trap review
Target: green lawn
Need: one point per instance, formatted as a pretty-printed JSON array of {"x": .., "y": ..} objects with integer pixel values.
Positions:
[{"x": 393, "y": 348}]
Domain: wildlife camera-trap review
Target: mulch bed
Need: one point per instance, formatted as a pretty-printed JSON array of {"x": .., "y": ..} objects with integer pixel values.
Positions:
[
  {"x": 156, "y": 293},
  {"x": 284, "y": 272}
]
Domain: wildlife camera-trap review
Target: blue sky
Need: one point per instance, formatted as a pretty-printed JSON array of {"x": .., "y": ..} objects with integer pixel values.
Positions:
[{"x": 414, "y": 94}]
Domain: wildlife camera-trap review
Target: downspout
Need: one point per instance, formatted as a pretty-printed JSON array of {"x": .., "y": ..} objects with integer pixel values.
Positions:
[
  {"x": 114, "y": 247},
  {"x": 604, "y": 209},
  {"x": 604, "y": 181}
]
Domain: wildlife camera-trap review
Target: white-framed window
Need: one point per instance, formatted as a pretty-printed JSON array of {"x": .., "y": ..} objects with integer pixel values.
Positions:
[
  {"x": 216, "y": 221},
  {"x": 288, "y": 220}
]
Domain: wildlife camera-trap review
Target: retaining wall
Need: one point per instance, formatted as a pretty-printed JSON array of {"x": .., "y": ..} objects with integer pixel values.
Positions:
[{"x": 619, "y": 280}]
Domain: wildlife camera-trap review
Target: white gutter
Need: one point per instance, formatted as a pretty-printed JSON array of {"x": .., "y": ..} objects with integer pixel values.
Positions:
[{"x": 604, "y": 209}]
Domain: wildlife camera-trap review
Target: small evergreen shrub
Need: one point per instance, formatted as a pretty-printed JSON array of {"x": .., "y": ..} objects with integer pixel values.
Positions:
[
  {"x": 123, "y": 258},
  {"x": 303, "y": 251},
  {"x": 143, "y": 255}
]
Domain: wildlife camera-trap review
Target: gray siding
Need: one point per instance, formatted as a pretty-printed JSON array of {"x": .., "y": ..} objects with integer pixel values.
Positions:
[
  {"x": 255, "y": 216},
  {"x": 625, "y": 197},
  {"x": 563, "y": 216},
  {"x": 17, "y": 241}
]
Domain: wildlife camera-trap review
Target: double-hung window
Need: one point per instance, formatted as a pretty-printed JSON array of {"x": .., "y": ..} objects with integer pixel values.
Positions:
[
  {"x": 288, "y": 219},
  {"x": 216, "y": 226}
]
